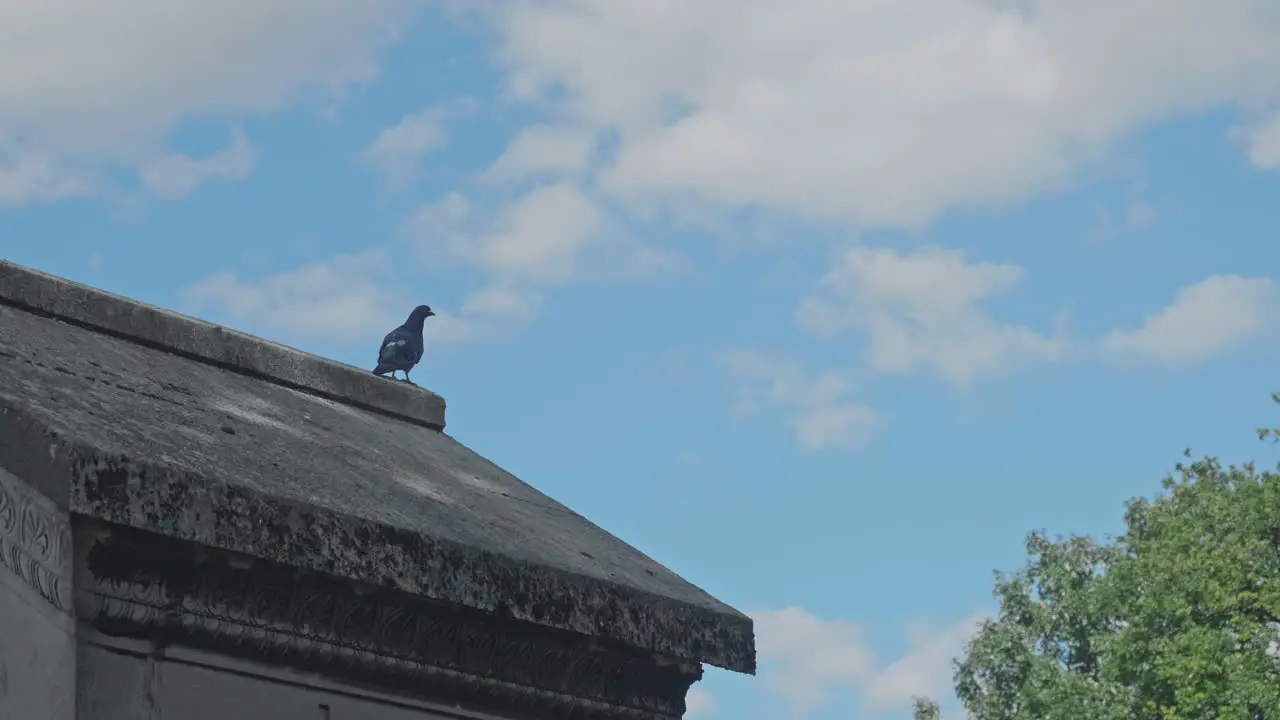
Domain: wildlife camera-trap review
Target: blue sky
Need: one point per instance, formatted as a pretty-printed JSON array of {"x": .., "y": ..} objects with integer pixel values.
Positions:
[{"x": 822, "y": 305}]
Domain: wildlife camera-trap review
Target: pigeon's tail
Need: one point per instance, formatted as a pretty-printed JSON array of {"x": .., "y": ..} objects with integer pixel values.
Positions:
[{"x": 382, "y": 369}]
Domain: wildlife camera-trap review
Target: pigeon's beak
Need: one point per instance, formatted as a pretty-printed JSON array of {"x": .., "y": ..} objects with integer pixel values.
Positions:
[{"x": 430, "y": 313}]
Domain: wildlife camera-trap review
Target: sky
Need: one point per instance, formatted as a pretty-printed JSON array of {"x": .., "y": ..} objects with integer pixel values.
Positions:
[{"x": 824, "y": 305}]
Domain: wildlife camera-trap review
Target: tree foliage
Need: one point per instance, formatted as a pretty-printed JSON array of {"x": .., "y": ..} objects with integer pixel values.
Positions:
[
  {"x": 1271, "y": 433},
  {"x": 925, "y": 709},
  {"x": 1176, "y": 619}
]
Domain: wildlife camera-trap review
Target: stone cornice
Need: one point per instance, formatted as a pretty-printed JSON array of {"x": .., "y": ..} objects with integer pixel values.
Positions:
[
  {"x": 135, "y": 584},
  {"x": 35, "y": 541}
]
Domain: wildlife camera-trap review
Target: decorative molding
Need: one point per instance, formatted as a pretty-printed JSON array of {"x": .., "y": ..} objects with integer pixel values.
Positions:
[
  {"x": 140, "y": 585},
  {"x": 35, "y": 541}
]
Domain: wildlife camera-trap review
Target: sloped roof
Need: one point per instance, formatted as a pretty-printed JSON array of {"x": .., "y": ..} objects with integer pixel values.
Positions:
[{"x": 135, "y": 415}]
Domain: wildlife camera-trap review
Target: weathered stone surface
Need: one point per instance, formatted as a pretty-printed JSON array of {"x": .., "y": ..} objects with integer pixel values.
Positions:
[
  {"x": 35, "y": 542},
  {"x": 147, "y": 324},
  {"x": 134, "y": 435},
  {"x": 37, "y": 629},
  {"x": 140, "y": 586}
]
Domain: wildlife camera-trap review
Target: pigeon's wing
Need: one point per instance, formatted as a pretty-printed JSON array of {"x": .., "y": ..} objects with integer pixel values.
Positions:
[{"x": 395, "y": 349}]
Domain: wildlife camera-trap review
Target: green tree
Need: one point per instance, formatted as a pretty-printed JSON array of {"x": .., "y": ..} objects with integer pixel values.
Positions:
[
  {"x": 1272, "y": 433},
  {"x": 925, "y": 709},
  {"x": 1176, "y": 619}
]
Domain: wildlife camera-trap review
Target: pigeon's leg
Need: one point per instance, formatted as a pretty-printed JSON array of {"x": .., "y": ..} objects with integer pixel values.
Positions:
[{"x": 406, "y": 378}]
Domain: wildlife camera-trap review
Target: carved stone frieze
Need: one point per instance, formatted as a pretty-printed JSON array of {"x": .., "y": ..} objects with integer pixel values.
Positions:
[
  {"x": 35, "y": 541},
  {"x": 141, "y": 585}
]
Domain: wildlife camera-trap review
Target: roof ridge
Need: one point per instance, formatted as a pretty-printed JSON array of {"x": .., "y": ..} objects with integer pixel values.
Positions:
[{"x": 206, "y": 342}]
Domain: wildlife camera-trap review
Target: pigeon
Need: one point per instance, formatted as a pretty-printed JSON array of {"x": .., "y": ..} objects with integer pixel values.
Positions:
[{"x": 402, "y": 348}]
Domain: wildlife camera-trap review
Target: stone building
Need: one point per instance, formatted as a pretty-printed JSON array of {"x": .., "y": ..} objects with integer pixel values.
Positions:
[{"x": 196, "y": 524}]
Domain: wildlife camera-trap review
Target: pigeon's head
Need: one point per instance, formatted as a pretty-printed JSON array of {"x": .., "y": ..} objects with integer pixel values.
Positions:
[{"x": 420, "y": 313}]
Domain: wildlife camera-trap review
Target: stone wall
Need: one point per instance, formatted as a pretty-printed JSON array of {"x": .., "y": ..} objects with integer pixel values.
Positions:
[
  {"x": 37, "y": 627},
  {"x": 123, "y": 682}
]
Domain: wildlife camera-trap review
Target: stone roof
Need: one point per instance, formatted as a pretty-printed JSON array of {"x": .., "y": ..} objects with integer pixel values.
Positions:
[{"x": 135, "y": 415}]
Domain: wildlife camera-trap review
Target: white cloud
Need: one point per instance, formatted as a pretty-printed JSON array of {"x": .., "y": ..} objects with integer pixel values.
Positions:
[
  {"x": 542, "y": 150},
  {"x": 125, "y": 74},
  {"x": 698, "y": 702},
  {"x": 399, "y": 149},
  {"x": 344, "y": 298},
  {"x": 1213, "y": 316},
  {"x": 542, "y": 236},
  {"x": 433, "y": 221},
  {"x": 1140, "y": 215},
  {"x": 489, "y": 313},
  {"x": 536, "y": 240},
  {"x": 924, "y": 669},
  {"x": 500, "y": 301},
  {"x": 881, "y": 112},
  {"x": 922, "y": 311},
  {"x": 30, "y": 178},
  {"x": 539, "y": 237},
  {"x": 673, "y": 366},
  {"x": 820, "y": 413},
  {"x": 1262, "y": 142},
  {"x": 1136, "y": 216},
  {"x": 552, "y": 234},
  {"x": 175, "y": 175},
  {"x": 806, "y": 659}
]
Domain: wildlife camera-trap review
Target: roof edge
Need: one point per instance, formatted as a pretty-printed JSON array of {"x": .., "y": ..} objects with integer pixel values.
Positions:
[
  {"x": 197, "y": 509},
  {"x": 212, "y": 344}
]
